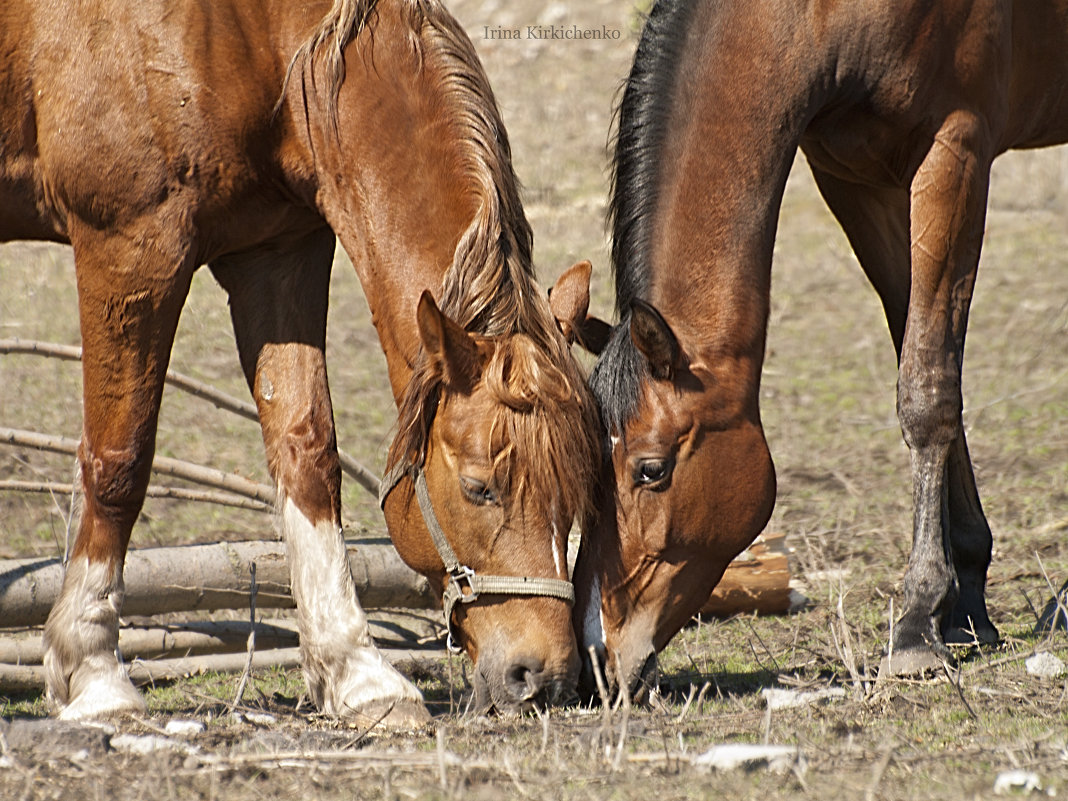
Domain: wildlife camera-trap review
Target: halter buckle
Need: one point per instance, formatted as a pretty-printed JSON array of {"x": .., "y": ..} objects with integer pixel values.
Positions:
[{"x": 461, "y": 575}]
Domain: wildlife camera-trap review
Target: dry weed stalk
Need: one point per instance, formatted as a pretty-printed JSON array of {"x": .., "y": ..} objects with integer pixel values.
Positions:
[
  {"x": 843, "y": 644},
  {"x": 251, "y": 638}
]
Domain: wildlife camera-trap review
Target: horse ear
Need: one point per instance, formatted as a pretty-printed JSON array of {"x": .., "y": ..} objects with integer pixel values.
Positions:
[
  {"x": 447, "y": 344},
  {"x": 569, "y": 300},
  {"x": 655, "y": 339}
]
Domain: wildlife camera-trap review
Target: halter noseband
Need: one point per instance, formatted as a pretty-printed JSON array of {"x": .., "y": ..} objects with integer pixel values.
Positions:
[{"x": 462, "y": 575}]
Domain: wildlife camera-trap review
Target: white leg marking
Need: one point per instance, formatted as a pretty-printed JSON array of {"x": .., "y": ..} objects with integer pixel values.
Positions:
[
  {"x": 593, "y": 623},
  {"x": 345, "y": 672},
  {"x": 85, "y": 674}
]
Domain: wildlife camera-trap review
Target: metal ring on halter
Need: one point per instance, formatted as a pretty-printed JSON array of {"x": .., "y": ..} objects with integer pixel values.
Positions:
[{"x": 477, "y": 584}]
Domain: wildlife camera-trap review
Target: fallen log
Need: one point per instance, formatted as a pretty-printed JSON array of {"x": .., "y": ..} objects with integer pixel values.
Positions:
[
  {"x": 215, "y": 576},
  {"x": 390, "y": 628},
  {"x": 195, "y": 638},
  {"x": 208, "y": 577},
  {"x": 758, "y": 580},
  {"x": 31, "y": 678}
]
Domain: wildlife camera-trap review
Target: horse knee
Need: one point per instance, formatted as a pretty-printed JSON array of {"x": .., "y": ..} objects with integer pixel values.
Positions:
[
  {"x": 114, "y": 481},
  {"x": 929, "y": 406},
  {"x": 308, "y": 470}
]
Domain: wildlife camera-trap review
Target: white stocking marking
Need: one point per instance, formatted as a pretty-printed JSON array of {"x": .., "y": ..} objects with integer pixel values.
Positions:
[{"x": 345, "y": 671}]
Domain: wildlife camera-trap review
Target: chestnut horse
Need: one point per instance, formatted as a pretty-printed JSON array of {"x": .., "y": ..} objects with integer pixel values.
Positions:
[
  {"x": 155, "y": 137},
  {"x": 900, "y": 109}
]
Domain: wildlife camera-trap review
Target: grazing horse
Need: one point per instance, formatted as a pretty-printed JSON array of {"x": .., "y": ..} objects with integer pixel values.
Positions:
[
  {"x": 249, "y": 136},
  {"x": 900, "y": 109}
]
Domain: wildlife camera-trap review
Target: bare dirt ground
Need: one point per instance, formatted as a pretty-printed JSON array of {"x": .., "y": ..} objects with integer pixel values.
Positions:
[{"x": 844, "y": 504}]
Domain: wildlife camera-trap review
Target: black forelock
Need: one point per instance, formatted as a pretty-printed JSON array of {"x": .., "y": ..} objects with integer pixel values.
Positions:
[{"x": 617, "y": 378}]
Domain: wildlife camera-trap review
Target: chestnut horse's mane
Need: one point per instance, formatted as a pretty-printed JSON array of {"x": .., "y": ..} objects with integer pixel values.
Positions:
[
  {"x": 641, "y": 121},
  {"x": 490, "y": 288}
]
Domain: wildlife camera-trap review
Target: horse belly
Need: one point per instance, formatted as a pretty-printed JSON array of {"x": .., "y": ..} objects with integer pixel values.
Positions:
[{"x": 1038, "y": 104}]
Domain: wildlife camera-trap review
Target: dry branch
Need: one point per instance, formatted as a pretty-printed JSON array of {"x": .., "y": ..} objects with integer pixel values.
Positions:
[
  {"x": 175, "y": 493},
  {"x": 364, "y": 477},
  {"x": 205, "y": 577},
  {"x": 164, "y": 465},
  {"x": 193, "y": 638},
  {"x": 27, "y": 678}
]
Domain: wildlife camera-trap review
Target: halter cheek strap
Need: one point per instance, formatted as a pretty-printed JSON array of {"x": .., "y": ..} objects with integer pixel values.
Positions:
[{"x": 467, "y": 585}]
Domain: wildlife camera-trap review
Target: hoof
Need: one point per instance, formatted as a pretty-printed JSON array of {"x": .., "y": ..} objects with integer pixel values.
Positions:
[
  {"x": 402, "y": 716},
  {"x": 104, "y": 698},
  {"x": 916, "y": 662}
]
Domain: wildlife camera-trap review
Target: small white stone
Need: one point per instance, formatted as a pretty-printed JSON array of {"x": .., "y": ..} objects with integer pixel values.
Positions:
[
  {"x": 184, "y": 728},
  {"x": 776, "y": 758},
  {"x": 146, "y": 744},
  {"x": 777, "y": 698},
  {"x": 1045, "y": 665},
  {"x": 1016, "y": 781}
]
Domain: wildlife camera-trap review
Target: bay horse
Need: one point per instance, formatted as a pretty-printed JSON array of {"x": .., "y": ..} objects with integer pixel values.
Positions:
[
  {"x": 251, "y": 135},
  {"x": 900, "y": 109}
]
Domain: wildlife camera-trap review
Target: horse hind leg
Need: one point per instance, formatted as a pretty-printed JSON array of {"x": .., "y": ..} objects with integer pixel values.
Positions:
[
  {"x": 278, "y": 303},
  {"x": 971, "y": 546},
  {"x": 129, "y": 301},
  {"x": 876, "y": 221}
]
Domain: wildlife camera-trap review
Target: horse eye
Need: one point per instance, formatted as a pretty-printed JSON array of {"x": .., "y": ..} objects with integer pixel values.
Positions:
[
  {"x": 477, "y": 492},
  {"x": 652, "y": 472}
]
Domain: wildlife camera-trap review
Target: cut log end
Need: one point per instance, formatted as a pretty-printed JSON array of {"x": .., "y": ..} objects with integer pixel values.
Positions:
[{"x": 758, "y": 580}]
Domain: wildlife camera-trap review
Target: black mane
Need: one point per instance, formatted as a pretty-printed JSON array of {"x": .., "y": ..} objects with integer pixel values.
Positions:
[{"x": 642, "y": 121}]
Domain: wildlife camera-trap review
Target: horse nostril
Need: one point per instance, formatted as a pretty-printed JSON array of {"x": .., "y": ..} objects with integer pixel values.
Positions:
[{"x": 524, "y": 680}]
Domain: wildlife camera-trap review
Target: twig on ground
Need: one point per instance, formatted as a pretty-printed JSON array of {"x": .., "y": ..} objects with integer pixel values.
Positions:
[
  {"x": 686, "y": 706},
  {"x": 1059, "y": 605},
  {"x": 845, "y": 648},
  {"x": 251, "y": 637},
  {"x": 623, "y": 730},
  {"x": 768, "y": 651},
  {"x": 954, "y": 677},
  {"x": 443, "y": 778}
]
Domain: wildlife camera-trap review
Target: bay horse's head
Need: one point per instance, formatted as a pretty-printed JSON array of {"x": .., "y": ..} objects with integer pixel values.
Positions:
[
  {"x": 689, "y": 483},
  {"x": 495, "y": 456}
]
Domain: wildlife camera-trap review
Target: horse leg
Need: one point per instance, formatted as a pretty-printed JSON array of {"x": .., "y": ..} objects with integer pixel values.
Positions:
[
  {"x": 948, "y": 195},
  {"x": 130, "y": 298},
  {"x": 876, "y": 221},
  {"x": 278, "y": 303},
  {"x": 971, "y": 544}
]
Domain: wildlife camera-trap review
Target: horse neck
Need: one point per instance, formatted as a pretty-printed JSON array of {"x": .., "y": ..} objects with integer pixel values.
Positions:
[
  {"x": 737, "y": 111},
  {"x": 393, "y": 181}
]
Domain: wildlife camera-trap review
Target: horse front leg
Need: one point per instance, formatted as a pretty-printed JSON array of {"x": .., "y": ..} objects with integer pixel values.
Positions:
[
  {"x": 129, "y": 299},
  {"x": 278, "y": 303},
  {"x": 948, "y": 211}
]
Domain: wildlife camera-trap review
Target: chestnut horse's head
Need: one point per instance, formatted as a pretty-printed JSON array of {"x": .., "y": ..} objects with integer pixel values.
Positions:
[
  {"x": 689, "y": 484},
  {"x": 495, "y": 456}
]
